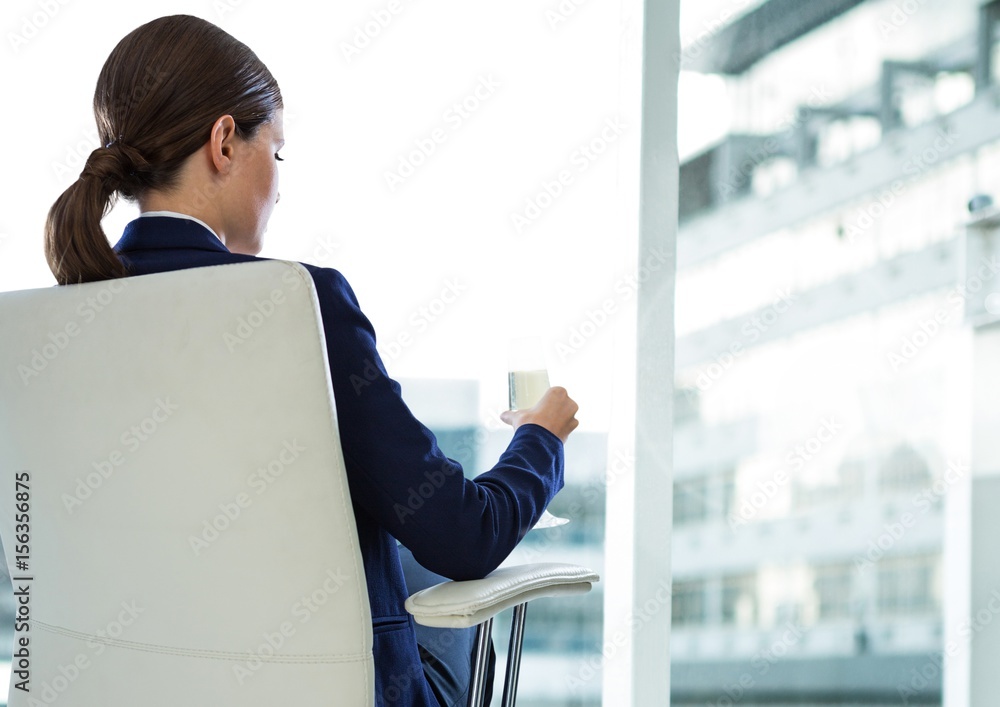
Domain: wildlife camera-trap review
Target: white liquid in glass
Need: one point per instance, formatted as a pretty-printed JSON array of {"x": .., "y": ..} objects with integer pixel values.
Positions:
[{"x": 526, "y": 389}]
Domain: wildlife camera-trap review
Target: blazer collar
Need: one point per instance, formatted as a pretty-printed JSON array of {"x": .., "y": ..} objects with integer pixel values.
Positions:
[{"x": 167, "y": 232}]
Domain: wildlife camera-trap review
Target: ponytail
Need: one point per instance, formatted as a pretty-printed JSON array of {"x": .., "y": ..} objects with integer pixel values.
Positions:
[{"x": 75, "y": 244}]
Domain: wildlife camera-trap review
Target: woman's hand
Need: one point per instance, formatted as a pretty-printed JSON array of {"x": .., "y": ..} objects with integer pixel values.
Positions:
[{"x": 555, "y": 412}]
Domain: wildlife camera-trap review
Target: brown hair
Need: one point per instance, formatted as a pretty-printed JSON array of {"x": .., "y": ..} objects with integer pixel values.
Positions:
[{"x": 157, "y": 96}]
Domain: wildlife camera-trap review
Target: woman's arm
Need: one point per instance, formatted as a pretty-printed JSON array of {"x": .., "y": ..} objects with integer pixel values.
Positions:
[{"x": 456, "y": 527}]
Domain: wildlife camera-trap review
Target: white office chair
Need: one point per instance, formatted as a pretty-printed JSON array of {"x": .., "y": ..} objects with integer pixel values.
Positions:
[{"x": 175, "y": 512}]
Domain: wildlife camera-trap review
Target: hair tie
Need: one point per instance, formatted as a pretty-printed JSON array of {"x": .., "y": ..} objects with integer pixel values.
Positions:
[{"x": 91, "y": 169}]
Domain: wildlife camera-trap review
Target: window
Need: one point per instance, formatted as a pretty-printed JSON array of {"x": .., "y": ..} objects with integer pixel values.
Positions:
[
  {"x": 908, "y": 585},
  {"x": 833, "y": 587},
  {"x": 816, "y": 326},
  {"x": 710, "y": 496},
  {"x": 570, "y": 625},
  {"x": 690, "y": 501},
  {"x": 726, "y": 485},
  {"x": 688, "y": 603},
  {"x": 739, "y": 600}
]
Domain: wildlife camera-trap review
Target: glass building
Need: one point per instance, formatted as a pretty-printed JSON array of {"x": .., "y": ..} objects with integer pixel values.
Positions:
[{"x": 825, "y": 279}]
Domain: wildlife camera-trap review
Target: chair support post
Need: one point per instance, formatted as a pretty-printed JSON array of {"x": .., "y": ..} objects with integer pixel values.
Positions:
[
  {"x": 480, "y": 662},
  {"x": 514, "y": 655}
]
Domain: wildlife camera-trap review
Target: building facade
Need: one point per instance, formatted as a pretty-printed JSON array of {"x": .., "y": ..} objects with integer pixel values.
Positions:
[{"x": 823, "y": 349}]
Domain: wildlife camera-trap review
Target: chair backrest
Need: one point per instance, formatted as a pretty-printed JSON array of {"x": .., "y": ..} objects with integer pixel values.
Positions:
[{"x": 172, "y": 477}]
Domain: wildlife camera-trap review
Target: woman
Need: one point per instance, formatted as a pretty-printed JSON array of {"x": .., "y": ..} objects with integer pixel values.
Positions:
[{"x": 197, "y": 148}]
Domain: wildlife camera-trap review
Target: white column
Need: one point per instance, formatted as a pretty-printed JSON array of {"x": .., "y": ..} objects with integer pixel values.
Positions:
[
  {"x": 639, "y": 512},
  {"x": 971, "y": 570}
]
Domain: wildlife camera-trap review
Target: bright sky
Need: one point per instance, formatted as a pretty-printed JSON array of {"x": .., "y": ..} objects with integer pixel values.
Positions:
[{"x": 551, "y": 99}]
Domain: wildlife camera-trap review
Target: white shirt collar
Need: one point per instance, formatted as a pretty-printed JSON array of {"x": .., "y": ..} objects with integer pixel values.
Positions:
[{"x": 175, "y": 214}]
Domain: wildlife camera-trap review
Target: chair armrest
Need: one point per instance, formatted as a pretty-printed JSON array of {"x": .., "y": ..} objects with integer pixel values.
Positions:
[{"x": 469, "y": 603}]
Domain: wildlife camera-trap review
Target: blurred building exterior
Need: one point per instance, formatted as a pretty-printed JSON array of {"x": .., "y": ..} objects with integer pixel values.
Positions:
[{"x": 823, "y": 337}]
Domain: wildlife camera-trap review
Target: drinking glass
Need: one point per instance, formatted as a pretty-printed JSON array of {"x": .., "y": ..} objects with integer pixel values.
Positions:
[{"x": 527, "y": 381}]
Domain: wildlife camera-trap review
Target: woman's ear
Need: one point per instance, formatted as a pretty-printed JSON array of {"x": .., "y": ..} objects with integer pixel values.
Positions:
[{"x": 221, "y": 143}]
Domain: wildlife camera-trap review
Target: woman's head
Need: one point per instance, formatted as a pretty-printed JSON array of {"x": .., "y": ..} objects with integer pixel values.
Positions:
[{"x": 170, "y": 87}]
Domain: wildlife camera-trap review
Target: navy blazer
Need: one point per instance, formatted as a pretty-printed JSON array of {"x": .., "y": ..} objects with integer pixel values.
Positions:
[{"x": 463, "y": 529}]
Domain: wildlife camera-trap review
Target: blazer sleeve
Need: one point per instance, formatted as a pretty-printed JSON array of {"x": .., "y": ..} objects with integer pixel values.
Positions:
[{"x": 457, "y": 527}]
